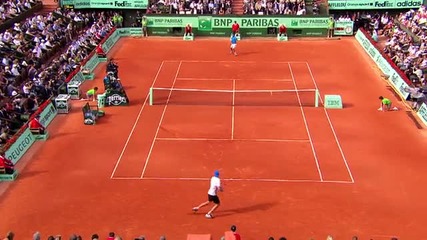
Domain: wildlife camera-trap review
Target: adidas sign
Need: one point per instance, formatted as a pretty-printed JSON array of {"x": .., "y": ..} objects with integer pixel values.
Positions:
[{"x": 409, "y": 4}]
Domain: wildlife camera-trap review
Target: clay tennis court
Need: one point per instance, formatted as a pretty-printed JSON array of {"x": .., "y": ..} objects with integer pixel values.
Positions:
[{"x": 289, "y": 168}]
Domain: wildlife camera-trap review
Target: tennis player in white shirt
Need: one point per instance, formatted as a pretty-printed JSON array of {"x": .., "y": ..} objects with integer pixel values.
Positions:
[{"x": 212, "y": 195}]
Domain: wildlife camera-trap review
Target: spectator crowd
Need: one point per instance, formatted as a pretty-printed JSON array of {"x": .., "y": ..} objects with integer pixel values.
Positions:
[
  {"x": 408, "y": 50},
  {"x": 222, "y": 7},
  {"x": 112, "y": 236},
  {"x": 214, "y": 7},
  {"x": 403, "y": 38},
  {"x": 274, "y": 7},
  {"x": 10, "y": 8},
  {"x": 38, "y": 54},
  {"x": 380, "y": 22}
]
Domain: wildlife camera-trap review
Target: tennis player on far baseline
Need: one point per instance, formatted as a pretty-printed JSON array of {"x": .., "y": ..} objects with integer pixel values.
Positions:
[
  {"x": 215, "y": 185},
  {"x": 233, "y": 44}
]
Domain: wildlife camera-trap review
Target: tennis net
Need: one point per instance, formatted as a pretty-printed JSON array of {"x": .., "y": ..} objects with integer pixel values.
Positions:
[{"x": 186, "y": 96}]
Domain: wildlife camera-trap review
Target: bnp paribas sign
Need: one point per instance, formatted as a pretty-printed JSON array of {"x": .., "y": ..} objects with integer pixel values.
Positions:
[{"x": 373, "y": 4}]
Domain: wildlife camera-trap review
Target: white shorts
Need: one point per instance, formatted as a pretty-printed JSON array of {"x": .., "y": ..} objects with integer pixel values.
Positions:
[{"x": 233, "y": 46}]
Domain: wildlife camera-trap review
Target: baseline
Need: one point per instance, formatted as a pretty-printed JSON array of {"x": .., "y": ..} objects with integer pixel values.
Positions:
[
  {"x": 234, "y": 139},
  {"x": 237, "y": 79},
  {"x": 272, "y": 180},
  {"x": 248, "y": 62}
]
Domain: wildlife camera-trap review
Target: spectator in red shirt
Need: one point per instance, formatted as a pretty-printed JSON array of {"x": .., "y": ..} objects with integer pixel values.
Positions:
[
  {"x": 100, "y": 52},
  {"x": 111, "y": 236},
  {"x": 282, "y": 30},
  {"x": 6, "y": 166},
  {"x": 9, "y": 236},
  {"x": 236, "y": 235},
  {"x": 235, "y": 28},
  {"x": 35, "y": 126},
  {"x": 188, "y": 30}
]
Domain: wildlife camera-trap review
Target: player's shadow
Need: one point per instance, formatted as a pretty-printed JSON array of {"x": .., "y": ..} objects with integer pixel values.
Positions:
[
  {"x": 246, "y": 209},
  {"x": 245, "y": 53}
]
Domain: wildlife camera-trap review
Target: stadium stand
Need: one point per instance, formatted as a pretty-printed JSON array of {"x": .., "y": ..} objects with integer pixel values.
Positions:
[
  {"x": 113, "y": 236},
  {"x": 415, "y": 21},
  {"x": 402, "y": 47},
  {"x": 11, "y": 9},
  {"x": 409, "y": 51},
  {"x": 274, "y": 7},
  {"x": 401, "y": 40},
  {"x": 220, "y": 7},
  {"x": 33, "y": 69},
  {"x": 382, "y": 22}
]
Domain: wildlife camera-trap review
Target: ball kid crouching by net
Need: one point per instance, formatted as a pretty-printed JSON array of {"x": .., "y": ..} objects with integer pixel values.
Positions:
[
  {"x": 283, "y": 31},
  {"x": 188, "y": 30},
  {"x": 386, "y": 105},
  {"x": 91, "y": 94},
  {"x": 235, "y": 28}
]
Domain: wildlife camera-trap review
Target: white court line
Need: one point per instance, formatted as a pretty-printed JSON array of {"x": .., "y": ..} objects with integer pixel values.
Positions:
[
  {"x": 126, "y": 178},
  {"x": 135, "y": 123},
  {"x": 306, "y": 125},
  {"x": 236, "y": 180},
  {"x": 244, "y": 62},
  {"x": 332, "y": 128},
  {"x": 236, "y": 140},
  {"x": 232, "y": 110},
  {"x": 228, "y": 79},
  {"x": 160, "y": 122},
  {"x": 236, "y": 91}
]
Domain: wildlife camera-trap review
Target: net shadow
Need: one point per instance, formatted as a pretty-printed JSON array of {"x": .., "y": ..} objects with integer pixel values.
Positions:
[{"x": 217, "y": 98}]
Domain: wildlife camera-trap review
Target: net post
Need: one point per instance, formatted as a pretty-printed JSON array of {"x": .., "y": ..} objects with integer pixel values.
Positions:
[
  {"x": 151, "y": 96},
  {"x": 317, "y": 96}
]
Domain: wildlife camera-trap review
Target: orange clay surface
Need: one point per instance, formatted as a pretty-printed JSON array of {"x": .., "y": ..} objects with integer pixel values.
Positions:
[{"x": 142, "y": 168}]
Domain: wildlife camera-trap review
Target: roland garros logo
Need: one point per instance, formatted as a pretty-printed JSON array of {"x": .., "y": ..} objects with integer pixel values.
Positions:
[
  {"x": 116, "y": 100},
  {"x": 61, "y": 105}
]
